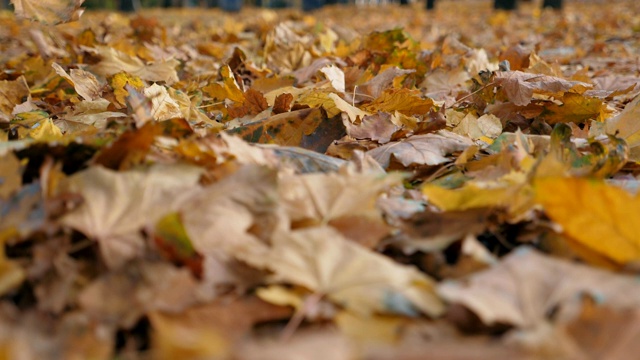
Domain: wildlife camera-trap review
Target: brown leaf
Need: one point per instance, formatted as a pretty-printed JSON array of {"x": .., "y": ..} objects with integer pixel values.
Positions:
[
  {"x": 520, "y": 86},
  {"x": 377, "y": 127},
  {"x": 252, "y": 104},
  {"x": 282, "y": 103},
  {"x": 428, "y": 149}
]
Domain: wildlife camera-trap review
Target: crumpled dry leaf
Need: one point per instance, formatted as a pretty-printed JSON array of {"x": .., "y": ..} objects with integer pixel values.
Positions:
[
  {"x": 428, "y": 149},
  {"x": 114, "y": 61},
  {"x": 520, "y": 86},
  {"x": 112, "y": 198},
  {"x": 11, "y": 93},
  {"x": 48, "y": 11},
  {"x": 526, "y": 286},
  {"x": 84, "y": 82},
  {"x": 163, "y": 107},
  {"x": 377, "y": 127}
]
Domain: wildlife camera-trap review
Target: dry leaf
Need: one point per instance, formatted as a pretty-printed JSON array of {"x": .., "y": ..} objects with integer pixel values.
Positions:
[
  {"x": 111, "y": 199},
  {"x": 364, "y": 282},
  {"x": 428, "y": 149},
  {"x": 48, "y": 11},
  {"x": 114, "y": 61},
  {"x": 526, "y": 286}
]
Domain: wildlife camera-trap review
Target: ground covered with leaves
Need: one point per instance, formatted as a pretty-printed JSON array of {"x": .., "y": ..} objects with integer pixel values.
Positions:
[{"x": 356, "y": 183}]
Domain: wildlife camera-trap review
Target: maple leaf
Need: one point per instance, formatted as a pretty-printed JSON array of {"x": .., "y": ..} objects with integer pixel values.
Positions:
[
  {"x": 108, "y": 219},
  {"x": 589, "y": 211},
  {"x": 526, "y": 285},
  {"x": 379, "y": 83},
  {"x": 48, "y": 11},
  {"x": 354, "y": 114},
  {"x": 252, "y": 104},
  {"x": 403, "y": 100},
  {"x": 428, "y": 149},
  {"x": 344, "y": 201},
  {"x": 321, "y": 260},
  {"x": 575, "y": 108}
]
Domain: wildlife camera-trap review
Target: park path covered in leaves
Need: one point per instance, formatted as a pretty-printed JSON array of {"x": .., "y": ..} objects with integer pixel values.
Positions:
[{"x": 355, "y": 183}]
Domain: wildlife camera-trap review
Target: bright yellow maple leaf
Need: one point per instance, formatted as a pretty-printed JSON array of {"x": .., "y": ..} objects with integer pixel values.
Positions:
[{"x": 598, "y": 216}]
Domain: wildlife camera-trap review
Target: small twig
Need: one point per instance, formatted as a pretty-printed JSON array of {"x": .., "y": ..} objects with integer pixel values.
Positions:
[
  {"x": 298, "y": 317},
  {"x": 473, "y": 93}
]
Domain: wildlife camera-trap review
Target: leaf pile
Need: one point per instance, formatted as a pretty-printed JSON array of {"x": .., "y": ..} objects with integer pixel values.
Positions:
[{"x": 193, "y": 184}]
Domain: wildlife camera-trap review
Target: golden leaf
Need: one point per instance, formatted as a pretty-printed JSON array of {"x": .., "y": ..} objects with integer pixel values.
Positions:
[{"x": 598, "y": 216}]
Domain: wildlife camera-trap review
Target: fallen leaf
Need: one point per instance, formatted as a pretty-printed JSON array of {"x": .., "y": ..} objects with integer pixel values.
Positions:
[
  {"x": 306, "y": 128},
  {"x": 403, "y": 100},
  {"x": 428, "y": 149},
  {"x": 107, "y": 218},
  {"x": 335, "y": 77},
  {"x": 345, "y": 201},
  {"x": 589, "y": 211},
  {"x": 48, "y": 11},
  {"x": 323, "y": 261},
  {"x": 84, "y": 82},
  {"x": 520, "y": 86},
  {"x": 526, "y": 285},
  {"x": 377, "y": 127},
  {"x": 114, "y": 61},
  {"x": 11, "y": 93}
]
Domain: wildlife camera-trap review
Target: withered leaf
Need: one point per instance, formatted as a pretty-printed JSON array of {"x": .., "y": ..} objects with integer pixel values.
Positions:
[
  {"x": 307, "y": 128},
  {"x": 428, "y": 149},
  {"x": 282, "y": 103}
]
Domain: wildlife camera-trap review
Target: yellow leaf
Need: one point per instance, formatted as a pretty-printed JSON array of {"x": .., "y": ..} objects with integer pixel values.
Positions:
[
  {"x": 317, "y": 98},
  {"x": 575, "y": 108},
  {"x": 598, "y": 216},
  {"x": 118, "y": 82},
  {"x": 45, "y": 130},
  {"x": 227, "y": 89},
  {"x": 355, "y": 115},
  {"x": 467, "y": 197},
  {"x": 377, "y": 328}
]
